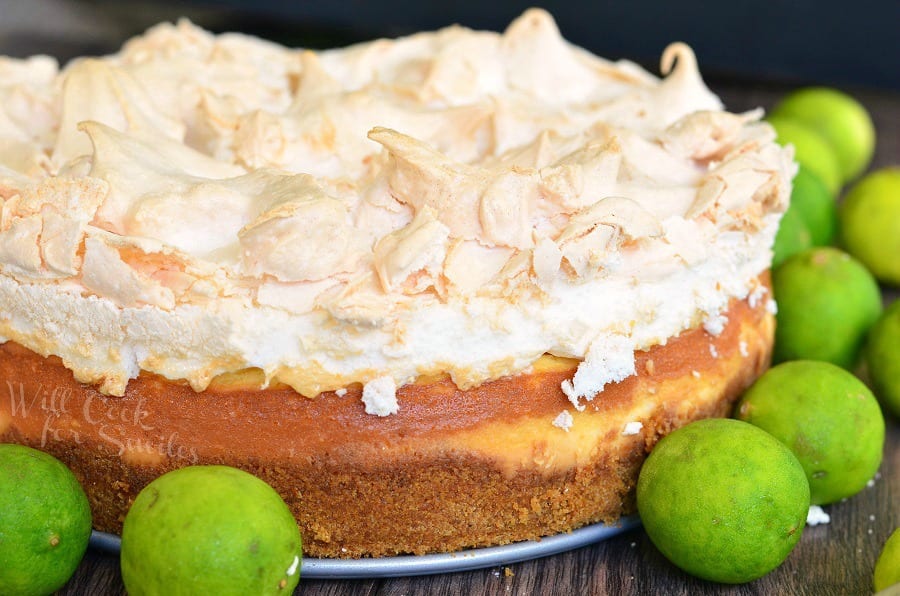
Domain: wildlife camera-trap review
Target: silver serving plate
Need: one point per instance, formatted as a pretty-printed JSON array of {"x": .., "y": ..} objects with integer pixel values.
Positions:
[{"x": 408, "y": 565}]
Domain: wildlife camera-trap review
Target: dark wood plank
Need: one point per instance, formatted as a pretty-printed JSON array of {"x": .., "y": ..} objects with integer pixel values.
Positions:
[{"x": 836, "y": 558}]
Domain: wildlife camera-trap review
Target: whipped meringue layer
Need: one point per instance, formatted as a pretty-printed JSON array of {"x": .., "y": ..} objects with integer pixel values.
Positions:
[{"x": 457, "y": 202}]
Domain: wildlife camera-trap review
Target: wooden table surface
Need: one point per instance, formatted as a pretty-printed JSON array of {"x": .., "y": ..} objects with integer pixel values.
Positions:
[{"x": 836, "y": 558}]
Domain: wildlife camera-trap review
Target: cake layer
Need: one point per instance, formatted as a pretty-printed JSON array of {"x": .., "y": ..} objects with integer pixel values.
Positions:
[{"x": 505, "y": 461}]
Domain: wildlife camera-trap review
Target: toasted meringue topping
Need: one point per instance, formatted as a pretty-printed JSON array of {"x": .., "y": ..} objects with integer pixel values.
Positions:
[{"x": 455, "y": 202}]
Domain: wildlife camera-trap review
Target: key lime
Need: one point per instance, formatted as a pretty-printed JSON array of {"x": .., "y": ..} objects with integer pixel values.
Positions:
[
  {"x": 723, "y": 500},
  {"x": 827, "y": 301},
  {"x": 883, "y": 358},
  {"x": 810, "y": 150},
  {"x": 870, "y": 223},
  {"x": 840, "y": 119},
  {"x": 817, "y": 207},
  {"x": 827, "y": 417},
  {"x": 209, "y": 530},
  {"x": 887, "y": 568},
  {"x": 793, "y": 236},
  {"x": 45, "y": 522},
  {"x": 810, "y": 220}
]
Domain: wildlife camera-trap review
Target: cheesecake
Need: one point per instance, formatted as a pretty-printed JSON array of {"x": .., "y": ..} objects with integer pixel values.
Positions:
[{"x": 442, "y": 291}]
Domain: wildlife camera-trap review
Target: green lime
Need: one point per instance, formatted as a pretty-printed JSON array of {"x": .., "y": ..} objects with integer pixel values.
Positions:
[
  {"x": 840, "y": 119},
  {"x": 723, "y": 500},
  {"x": 887, "y": 568},
  {"x": 810, "y": 220},
  {"x": 210, "y": 530},
  {"x": 817, "y": 207},
  {"x": 882, "y": 355},
  {"x": 810, "y": 150},
  {"x": 793, "y": 236},
  {"x": 827, "y": 301},
  {"x": 827, "y": 417},
  {"x": 45, "y": 522},
  {"x": 870, "y": 223}
]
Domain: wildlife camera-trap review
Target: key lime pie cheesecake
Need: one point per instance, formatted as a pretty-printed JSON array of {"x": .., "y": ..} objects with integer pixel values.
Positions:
[{"x": 443, "y": 291}]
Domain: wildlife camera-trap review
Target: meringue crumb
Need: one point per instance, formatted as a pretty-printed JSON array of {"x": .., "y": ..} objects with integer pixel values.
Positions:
[
  {"x": 715, "y": 324},
  {"x": 380, "y": 396},
  {"x": 756, "y": 295},
  {"x": 632, "y": 428},
  {"x": 340, "y": 392},
  {"x": 743, "y": 348},
  {"x": 713, "y": 351},
  {"x": 817, "y": 516},
  {"x": 563, "y": 420},
  {"x": 609, "y": 359},
  {"x": 772, "y": 307},
  {"x": 695, "y": 374}
]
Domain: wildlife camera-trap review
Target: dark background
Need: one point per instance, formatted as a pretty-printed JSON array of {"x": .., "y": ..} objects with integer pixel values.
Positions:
[{"x": 850, "y": 43}]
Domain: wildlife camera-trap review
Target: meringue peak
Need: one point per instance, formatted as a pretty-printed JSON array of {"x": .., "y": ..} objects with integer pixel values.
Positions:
[{"x": 455, "y": 201}]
